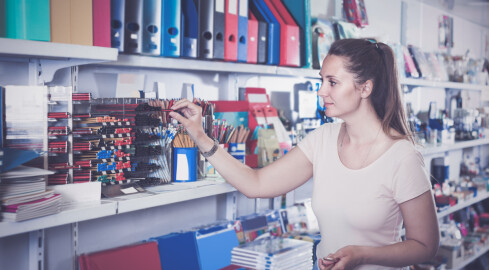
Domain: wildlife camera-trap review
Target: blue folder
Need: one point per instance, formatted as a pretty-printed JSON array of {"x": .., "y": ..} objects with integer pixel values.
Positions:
[
  {"x": 117, "y": 22},
  {"x": 178, "y": 251},
  {"x": 171, "y": 31},
  {"x": 263, "y": 13},
  {"x": 26, "y": 19},
  {"x": 152, "y": 27},
  {"x": 301, "y": 11},
  {"x": 190, "y": 27},
  {"x": 243, "y": 31}
]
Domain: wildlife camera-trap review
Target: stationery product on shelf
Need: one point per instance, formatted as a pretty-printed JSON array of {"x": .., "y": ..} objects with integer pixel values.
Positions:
[
  {"x": 47, "y": 205},
  {"x": 101, "y": 23},
  {"x": 252, "y": 48},
  {"x": 301, "y": 11},
  {"x": 117, "y": 24},
  {"x": 133, "y": 20},
  {"x": 190, "y": 28},
  {"x": 151, "y": 27},
  {"x": 231, "y": 31},
  {"x": 206, "y": 29},
  {"x": 345, "y": 30},
  {"x": 262, "y": 39},
  {"x": 356, "y": 12},
  {"x": 411, "y": 70},
  {"x": 420, "y": 62},
  {"x": 263, "y": 13},
  {"x": 138, "y": 256},
  {"x": 219, "y": 29},
  {"x": 171, "y": 28},
  {"x": 243, "y": 38},
  {"x": 322, "y": 38},
  {"x": 26, "y": 19},
  {"x": 289, "y": 34},
  {"x": 274, "y": 253}
]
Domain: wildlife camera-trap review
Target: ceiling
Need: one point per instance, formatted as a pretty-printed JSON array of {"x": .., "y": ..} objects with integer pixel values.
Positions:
[{"x": 476, "y": 11}]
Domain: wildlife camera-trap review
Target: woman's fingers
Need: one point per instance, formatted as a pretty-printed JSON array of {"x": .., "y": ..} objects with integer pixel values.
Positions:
[{"x": 179, "y": 118}]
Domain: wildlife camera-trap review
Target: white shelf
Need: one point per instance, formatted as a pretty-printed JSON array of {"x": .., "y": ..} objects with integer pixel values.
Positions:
[
  {"x": 157, "y": 196},
  {"x": 471, "y": 258},
  {"x": 177, "y": 192},
  {"x": 430, "y": 149},
  {"x": 480, "y": 197},
  {"x": 453, "y": 85},
  {"x": 48, "y": 50},
  {"x": 69, "y": 214},
  {"x": 169, "y": 63}
]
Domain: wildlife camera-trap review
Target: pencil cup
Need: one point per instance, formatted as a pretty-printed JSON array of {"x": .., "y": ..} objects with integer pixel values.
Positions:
[
  {"x": 238, "y": 150},
  {"x": 185, "y": 164}
]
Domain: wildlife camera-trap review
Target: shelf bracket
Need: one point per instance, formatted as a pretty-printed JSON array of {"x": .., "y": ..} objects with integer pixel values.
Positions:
[
  {"x": 49, "y": 67},
  {"x": 74, "y": 239},
  {"x": 36, "y": 250}
]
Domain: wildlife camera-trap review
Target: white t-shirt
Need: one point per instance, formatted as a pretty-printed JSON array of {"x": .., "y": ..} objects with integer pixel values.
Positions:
[{"x": 361, "y": 207}]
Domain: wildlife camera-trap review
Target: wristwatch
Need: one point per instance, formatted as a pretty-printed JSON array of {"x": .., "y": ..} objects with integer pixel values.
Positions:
[{"x": 212, "y": 151}]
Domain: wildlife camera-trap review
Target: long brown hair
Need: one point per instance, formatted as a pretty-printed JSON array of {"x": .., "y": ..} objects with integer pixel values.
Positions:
[{"x": 367, "y": 60}]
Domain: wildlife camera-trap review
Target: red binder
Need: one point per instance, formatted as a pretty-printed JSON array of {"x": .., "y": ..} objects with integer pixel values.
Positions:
[
  {"x": 252, "y": 56},
  {"x": 231, "y": 31},
  {"x": 101, "y": 23},
  {"x": 141, "y": 256},
  {"x": 289, "y": 34}
]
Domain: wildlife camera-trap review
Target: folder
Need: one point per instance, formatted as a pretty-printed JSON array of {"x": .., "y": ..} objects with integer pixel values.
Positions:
[
  {"x": 171, "y": 32},
  {"x": 219, "y": 28},
  {"x": 263, "y": 13},
  {"x": 117, "y": 22},
  {"x": 206, "y": 29},
  {"x": 289, "y": 34},
  {"x": 140, "y": 256},
  {"x": 243, "y": 31},
  {"x": 301, "y": 12},
  {"x": 262, "y": 49},
  {"x": 252, "y": 44},
  {"x": 101, "y": 23},
  {"x": 133, "y": 20},
  {"x": 231, "y": 31},
  {"x": 322, "y": 38},
  {"x": 177, "y": 251},
  {"x": 81, "y": 22},
  {"x": 60, "y": 21},
  {"x": 27, "y": 19},
  {"x": 190, "y": 27},
  {"x": 151, "y": 27}
]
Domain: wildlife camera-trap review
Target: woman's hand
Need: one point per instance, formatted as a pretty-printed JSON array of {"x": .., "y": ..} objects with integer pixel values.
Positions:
[
  {"x": 345, "y": 258},
  {"x": 191, "y": 119}
]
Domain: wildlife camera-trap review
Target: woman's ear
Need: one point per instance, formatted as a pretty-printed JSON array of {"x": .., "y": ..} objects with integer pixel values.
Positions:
[{"x": 366, "y": 89}]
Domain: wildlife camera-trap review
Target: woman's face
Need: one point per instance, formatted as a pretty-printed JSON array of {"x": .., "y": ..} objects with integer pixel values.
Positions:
[{"x": 338, "y": 90}]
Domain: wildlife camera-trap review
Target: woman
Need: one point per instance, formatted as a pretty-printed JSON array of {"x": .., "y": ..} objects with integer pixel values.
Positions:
[{"x": 368, "y": 177}]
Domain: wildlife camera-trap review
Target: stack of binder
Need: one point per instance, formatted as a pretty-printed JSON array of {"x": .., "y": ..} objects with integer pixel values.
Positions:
[{"x": 274, "y": 253}]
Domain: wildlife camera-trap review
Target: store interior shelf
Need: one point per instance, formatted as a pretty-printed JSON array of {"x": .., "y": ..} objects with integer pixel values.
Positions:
[
  {"x": 73, "y": 212},
  {"x": 480, "y": 197},
  {"x": 177, "y": 192},
  {"x": 57, "y": 51},
  {"x": 431, "y": 149},
  {"x": 157, "y": 196},
  {"x": 471, "y": 258},
  {"x": 168, "y": 63},
  {"x": 453, "y": 85}
]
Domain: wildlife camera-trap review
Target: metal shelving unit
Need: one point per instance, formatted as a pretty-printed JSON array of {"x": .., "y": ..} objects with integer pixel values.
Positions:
[{"x": 432, "y": 149}]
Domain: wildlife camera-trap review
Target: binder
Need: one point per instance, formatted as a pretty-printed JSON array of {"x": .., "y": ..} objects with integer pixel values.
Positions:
[
  {"x": 231, "y": 31},
  {"x": 151, "y": 30},
  {"x": 177, "y": 251},
  {"x": 262, "y": 46},
  {"x": 101, "y": 23},
  {"x": 190, "y": 28},
  {"x": 243, "y": 31},
  {"x": 252, "y": 46},
  {"x": 322, "y": 38},
  {"x": 206, "y": 29},
  {"x": 27, "y": 19},
  {"x": 263, "y": 13},
  {"x": 289, "y": 34},
  {"x": 219, "y": 28},
  {"x": 81, "y": 22},
  {"x": 117, "y": 22},
  {"x": 133, "y": 19},
  {"x": 60, "y": 21},
  {"x": 171, "y": 32},
  {"x": 140, "y": 256},
  {"x": 301, "y": 12}
]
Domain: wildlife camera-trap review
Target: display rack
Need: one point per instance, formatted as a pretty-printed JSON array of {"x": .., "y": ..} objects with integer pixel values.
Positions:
[{"x": 441, "y": 148}]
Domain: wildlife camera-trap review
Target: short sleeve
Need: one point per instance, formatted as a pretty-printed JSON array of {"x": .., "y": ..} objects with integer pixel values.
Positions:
[
  {"x": 314, "y": 140},
  {"x": 411, "y": 178}
]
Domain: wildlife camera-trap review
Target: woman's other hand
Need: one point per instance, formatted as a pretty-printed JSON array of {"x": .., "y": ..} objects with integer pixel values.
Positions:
[{"x": 346, "y": 258}]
